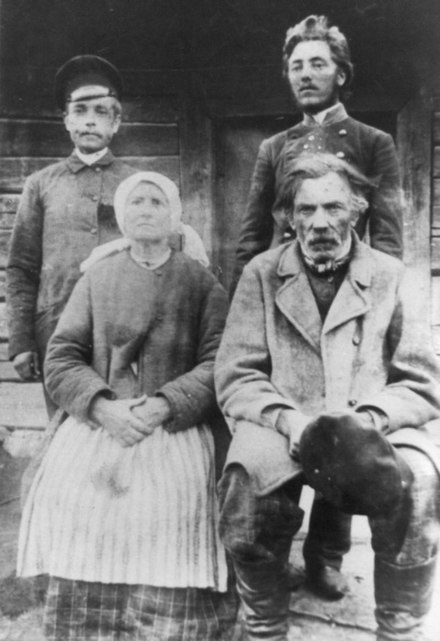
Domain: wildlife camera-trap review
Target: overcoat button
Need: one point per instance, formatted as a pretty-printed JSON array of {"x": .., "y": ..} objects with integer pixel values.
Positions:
[
  {"x": 352, "y": 402},
  {"x": 340, "y": 154},
  {"x": 342, "y": 132},
  {"x": 312, "y": 137},
  {"x": 356, "y": 340}
]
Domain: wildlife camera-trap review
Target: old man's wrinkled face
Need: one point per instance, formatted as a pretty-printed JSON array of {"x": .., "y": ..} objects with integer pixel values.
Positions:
[
  {"x": 147, "y": 213},
  {"x": 323, "y": 216}
]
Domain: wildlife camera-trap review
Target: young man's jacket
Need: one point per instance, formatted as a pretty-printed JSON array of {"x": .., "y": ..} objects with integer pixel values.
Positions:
[
  {"x": 66, "y": 210},
  {"x": 373, "y": 350},
  {"x": 370, "y": 150}
]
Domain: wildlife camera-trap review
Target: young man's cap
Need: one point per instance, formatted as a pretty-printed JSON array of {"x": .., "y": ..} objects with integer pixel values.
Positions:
[{"x": 87, "y": 70}]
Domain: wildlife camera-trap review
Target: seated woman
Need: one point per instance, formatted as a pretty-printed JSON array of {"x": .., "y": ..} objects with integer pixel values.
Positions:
[{"x": 122, "y": 513}]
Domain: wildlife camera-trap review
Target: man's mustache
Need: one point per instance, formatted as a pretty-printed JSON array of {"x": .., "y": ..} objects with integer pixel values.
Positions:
[{"x": 319, "y": 240}]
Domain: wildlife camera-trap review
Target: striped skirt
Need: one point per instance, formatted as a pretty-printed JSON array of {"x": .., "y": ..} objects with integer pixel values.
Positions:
[{"x": 145, "y": 514}]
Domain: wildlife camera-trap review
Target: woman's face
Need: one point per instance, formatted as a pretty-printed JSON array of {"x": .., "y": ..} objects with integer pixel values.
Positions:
[{"x": 147, "y": 213}]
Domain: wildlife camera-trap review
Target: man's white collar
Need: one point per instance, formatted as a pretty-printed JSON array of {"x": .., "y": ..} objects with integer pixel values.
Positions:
[{"x": 90, "y": 159}]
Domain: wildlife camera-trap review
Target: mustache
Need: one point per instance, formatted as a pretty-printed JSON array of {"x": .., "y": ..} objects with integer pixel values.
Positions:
[{"x": 319, "y": 240}]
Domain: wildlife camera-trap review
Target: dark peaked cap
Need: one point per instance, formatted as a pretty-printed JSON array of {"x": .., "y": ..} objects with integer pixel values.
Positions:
[{"x": 86, "y": 70}]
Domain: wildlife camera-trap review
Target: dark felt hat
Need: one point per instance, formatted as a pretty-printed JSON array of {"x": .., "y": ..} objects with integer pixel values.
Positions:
[
  {"x": 354, "y": 467},
  {"x": 86, "y": 70}
]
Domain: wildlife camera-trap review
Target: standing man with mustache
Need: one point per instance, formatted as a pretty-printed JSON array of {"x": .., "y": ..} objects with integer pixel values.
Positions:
[
  {"x": 317, "y": 66},
  {"x": 66, "y": 210},
  {"x": 318, "y": 69}
]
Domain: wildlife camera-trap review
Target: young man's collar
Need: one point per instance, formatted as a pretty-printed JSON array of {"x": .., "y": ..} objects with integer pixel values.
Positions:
[
  {"x": 334, "y": 113},
  {"x": 91, "y": 159}
]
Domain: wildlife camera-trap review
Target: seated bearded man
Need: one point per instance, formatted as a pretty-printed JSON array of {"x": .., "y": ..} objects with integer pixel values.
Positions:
[{"x": 327, "y": 377}]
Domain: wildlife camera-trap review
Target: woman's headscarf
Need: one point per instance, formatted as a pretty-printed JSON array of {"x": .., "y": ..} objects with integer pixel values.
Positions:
[
  {"x": 165, "y": 184},
  {"x": 193, "y": 246}
]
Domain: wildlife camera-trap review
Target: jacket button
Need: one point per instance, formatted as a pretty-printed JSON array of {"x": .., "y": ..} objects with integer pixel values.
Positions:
[
  {"x": 312, "y": 137},
  {"x": 306, "y": 146},
  {"x": 97, "y": 169},
  {"x": 352, "y": 402},
  {"x": 340, "y": 154},
  {"x": 342, "y": 132},
  {"x": 356, "y": 340},
  {"x": 93, "y": 230},
  {"x": 95, "y": 198}
]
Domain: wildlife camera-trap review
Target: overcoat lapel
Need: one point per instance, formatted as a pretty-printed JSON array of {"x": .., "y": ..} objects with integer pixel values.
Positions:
[
  {"x": 296, "y": 301},
  {"x": 353, "y": 298},
  {"x": 295, "y": 298}
]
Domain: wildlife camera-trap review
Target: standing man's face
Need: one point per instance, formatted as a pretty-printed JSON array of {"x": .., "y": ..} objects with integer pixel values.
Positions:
[
  {"x": 323, "y": 216},
  {"x": 91, "y": 123},
  {"x": 314, "y": 77}
]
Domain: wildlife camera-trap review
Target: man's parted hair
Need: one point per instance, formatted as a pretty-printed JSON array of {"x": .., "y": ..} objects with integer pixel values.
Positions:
[
  {"x": 317, "y": 165},
  {"x": 316, "y": 28}
]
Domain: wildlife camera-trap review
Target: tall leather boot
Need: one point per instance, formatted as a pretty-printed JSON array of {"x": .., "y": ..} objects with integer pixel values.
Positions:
[
  {"x": 263, "y": 588},
  {"x": 403, "y": 599}
]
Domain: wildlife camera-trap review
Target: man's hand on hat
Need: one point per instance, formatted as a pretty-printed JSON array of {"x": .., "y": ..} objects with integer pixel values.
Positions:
[
  {"x": 27, "y": 366},
  {"x": 292, "y": 423}
]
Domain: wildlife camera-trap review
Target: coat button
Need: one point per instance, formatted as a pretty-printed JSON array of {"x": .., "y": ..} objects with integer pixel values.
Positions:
[
  {"x": 97, "y": 169},
  {"x": 312, "y": 137},
  {"x": 93, "y": 230},
  {"x": 356, "y": 340},
  {"x": 352, "y": 402},
  {"x": 95, "y": 198},
  {"x": 306, "y": 146},
  {"x": 342, "y": 132},
  {"x": 340, "y": 154}
]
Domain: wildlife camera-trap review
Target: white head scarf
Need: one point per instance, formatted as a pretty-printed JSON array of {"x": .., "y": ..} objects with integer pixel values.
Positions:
[
  {"x": 165, "y": 184},
  {"x": 193, "y": 245}
]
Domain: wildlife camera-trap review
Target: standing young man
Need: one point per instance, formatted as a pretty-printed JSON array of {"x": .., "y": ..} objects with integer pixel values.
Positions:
[{"x": 317, "y": 66}]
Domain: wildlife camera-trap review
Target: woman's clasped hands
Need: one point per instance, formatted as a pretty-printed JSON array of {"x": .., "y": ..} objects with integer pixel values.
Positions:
[{"x": 131, "y": 420}]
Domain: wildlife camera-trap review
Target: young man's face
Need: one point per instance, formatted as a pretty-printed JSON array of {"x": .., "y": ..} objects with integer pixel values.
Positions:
[
  {"x": 323, "y": 216},
  {"x": 91, "y": 122},
  {"x": 314, "y": 77}
]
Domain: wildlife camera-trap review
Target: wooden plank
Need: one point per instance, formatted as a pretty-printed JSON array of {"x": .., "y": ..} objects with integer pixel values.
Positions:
[
  {"x": 436, "y": 128},
  {"x": 4, "y": 354},
  {"x": 8, "y": 205},
  {"x": 435, "y": 300},
  {"x": 435, "y": 255},
  {"x": 414, "y": 150},
  {"x": 14, "y": 171},
  {"x": 2, "y": 285},
  {"x": 49, "y": 138},
  {"x": 436, "y": 191},
  {"x": 5, "y": 236},
  {"x": 435, "y": 222},
  {"x": 196, "y": 162},
  {"x": 3, "y": 323},
  {"x": 22, "y": 406},
  {"x": 8, "y": 373},
  {"x": 436, "y": 162}
]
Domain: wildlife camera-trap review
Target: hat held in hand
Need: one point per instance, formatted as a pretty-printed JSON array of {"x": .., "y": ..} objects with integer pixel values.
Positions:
[{"x": 353, "y": 466}]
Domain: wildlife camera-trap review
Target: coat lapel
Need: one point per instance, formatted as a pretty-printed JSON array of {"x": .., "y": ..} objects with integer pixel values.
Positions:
[
  {"x": 296, "y": 301},
  {"x": 295, "y": 298},
  {"x": 353, "y": 298}
]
